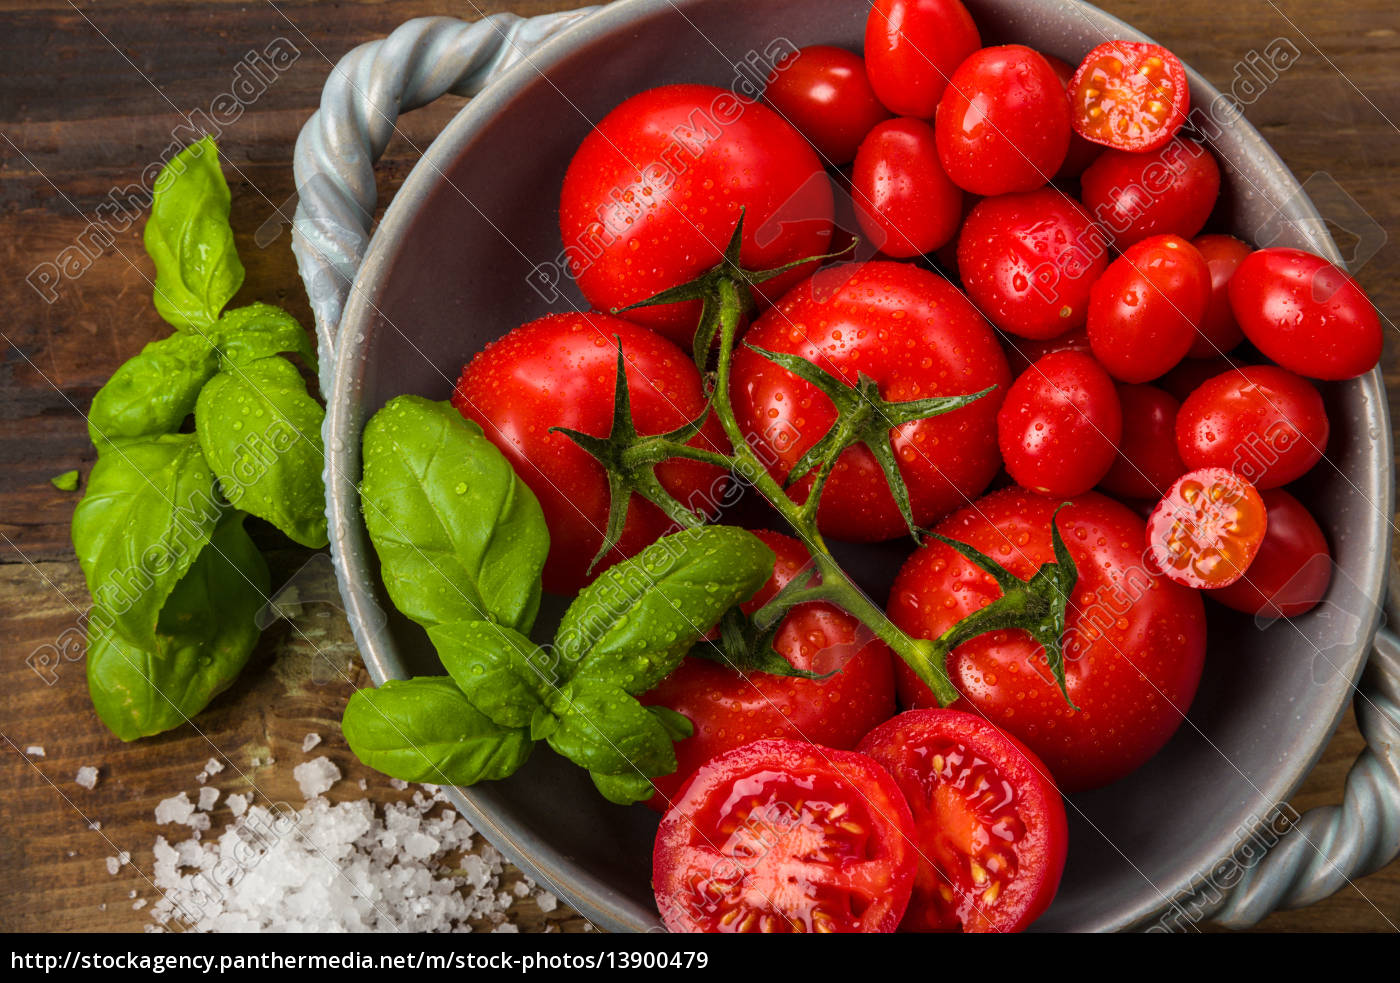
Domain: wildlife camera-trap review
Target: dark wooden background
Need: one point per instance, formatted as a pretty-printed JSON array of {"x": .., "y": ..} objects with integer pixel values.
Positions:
[{"x": 90, "y": 94}]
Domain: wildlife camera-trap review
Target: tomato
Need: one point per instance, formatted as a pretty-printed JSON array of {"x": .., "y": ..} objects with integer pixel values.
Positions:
[
  {"x": 1147, "y": 461},
  {"x": 785, "y": 836},
  {"x": 1187, "y": 377},
  {"x": 1170, "y": 190},
  {"x": 904, "y": 202},
  {"x": 912, "y": 48},
  {"x": 1081, "y": 153},
  {"x": 1291, "y": 571},
  {"x": 1218, "y": 332},
  {"x": 1059, "y": 427},
  {"x": 1133, "y": 652},
  {"x": 989, "y": 823},
  {"x": 1261, "y": 421},
  {"x": 1029, "y": 260},
  {"x": 729, "y": 708},
  {"x": 1021, "y": 352},
  {"x": 560, "y": 371},
  {"x": 1129, "y": 95},
  {"x": 1306, "y": 314},
  {"x": 652, "y": 196},
  {"x": 1144, "y": 310},
  {"x": 1003, "y": 122},
  {"x": 917, "y": 336},
  {"x": 824, "y": 92},
  {"x": 1206, "y": 529}
]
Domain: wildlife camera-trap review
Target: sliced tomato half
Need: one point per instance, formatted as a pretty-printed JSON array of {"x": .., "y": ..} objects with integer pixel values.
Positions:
[
  {"x": 1206, "y": 530},
  {"x": 1129, "y": 95}
]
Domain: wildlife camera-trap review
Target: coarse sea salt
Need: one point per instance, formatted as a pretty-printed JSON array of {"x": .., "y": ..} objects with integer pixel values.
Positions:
[
  {"x": 35, "y": 750},
  {"x": 309, "y": 741},
  {"x": 316, "y": 776},
  {"x": 86, "y": 777}
]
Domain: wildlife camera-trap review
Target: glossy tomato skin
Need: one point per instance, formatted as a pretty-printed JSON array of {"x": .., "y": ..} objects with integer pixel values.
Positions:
[
  {"x": 707, "y": 154},
  {"x": 1060, "y": 425},
  {"x": 912, "y": 48},
  {"x": 1003, "y": 122},
  {"x": 1207, "y": 529},
  {"x": 1081, "y": 152},
  {"x": 824, "y": 92},
  {"x": 1147, "y": 461},
  {"x": 1306, "y": 314},
  {"x": 1028, "y": 262},
  {"x": 1168, "y": 191},
  {"x": 917, "y": 336},
  {"x": 559, "y": 371},
  {"x": 1134, "y": 651},
  {"x": 1293, "y": 568},
  {"x": 1129, "y": 95},
  {"x": 1219, "y": 333},
  {"x": 904, "y": 202},
  {"x": 1018, "y": 837},
  {"x": 729, "y": 708},
  {"x": 785, "y": 836},
  {"x": 1144, "y": 310}
]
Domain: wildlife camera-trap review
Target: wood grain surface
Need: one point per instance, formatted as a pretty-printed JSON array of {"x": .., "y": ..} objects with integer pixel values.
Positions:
[{"x": 92, "y": 93}]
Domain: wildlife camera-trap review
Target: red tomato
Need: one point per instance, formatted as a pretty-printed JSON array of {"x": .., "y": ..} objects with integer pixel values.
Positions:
[
  {"x": 989, "y": 822},
  {"x": 1306, "y": 314},
  {"x": 1133, "y": 652},
  {"x": 917, "y": 336},
  {"x": 1144, "y": 310},
  {"x": 785, "y": 836},
  {"x": 1059, "y": 427},
  {"x": 1218, "y": 333},
  {"x": 1021, "y": 352},
  {"x": 1147, "y": 462},
  {"x": 559, "y": 371},
  {"x": 1207, "y": 529},
  {"x": 912, "y": 48},
  {"x": 1003, "y": 122},
  {"x": 1261, "y": 421},
  {"x": 1029, "y": 260},
  {"x": 1170, "y": 190},
  {"x": 824, "y": 92},
  {"x": 1291, "y": 571},
  {"x": 1129, "y": 95},
  {"x": 1187, "y": 377},
  {"x": 904, "y": 202},
  {"x": 1081, "y": 153},
  {"x": 729, "y": 708},
  {"x": 652, "y": 196}
]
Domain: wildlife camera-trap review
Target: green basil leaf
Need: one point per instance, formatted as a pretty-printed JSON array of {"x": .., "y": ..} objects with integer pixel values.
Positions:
[
  {"x": 246, "y": 334},
  {"x": 152, "y": 392},
  {"x": 149, "y": 511},
  {"x": 67, "y": 481},
  {"x": 206, "y": 633},
  {"x": 459, "y": 536},
  {"x": 678, "y": 725},
  {"x": 188, "y": 236},
  {"x": 498, "y": 669},
  {"x": 604, "y": 729},
  {"x": 261, "y": 433},
  {"x": 425, "y": 730},
  {"x": 623, "y": 789},
  {"x": 634, "y": 624}
]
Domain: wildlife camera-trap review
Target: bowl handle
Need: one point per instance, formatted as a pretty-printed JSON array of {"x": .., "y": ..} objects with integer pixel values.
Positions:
[{"x": 360, "y": 105}]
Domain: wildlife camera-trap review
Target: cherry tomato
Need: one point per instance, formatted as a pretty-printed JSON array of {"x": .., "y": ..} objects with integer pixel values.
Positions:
[
  {"x": 1129, "y": 95},
  {"x": 654, "y": 192},
  {"x": 1206, "y": 529},
  {"x": 1144, "y": 310},
  {"x": 1187, "y": 377},
  {"x": 1021, "y": 352},
  {"x": 1291, "y": 571},
  {"x": 917, "y": 336},
  {"x": 1081, "y": 153},
  {"x": 1170, "y": 190},
  {"x": 1029, "y": 260},
  {"x": 1306, "y": 314},
  {"x": 824, "y": 92},
  {"x": 1003, "y": 122},
  {"x": 912, "y": 48},
  {"x": 560, "y": 371},
  {"x": 989, "y": 823},
  {"x": 1261, "y": 421},
  {"x": 1147, "y": 461},
  {"x": 904, "y": 202},
  {"x": 1059, "y": 427},
  {"x": 729, "y": 708},
  {"x": 1218, "y": 332},
  {"x": 785, "y": 836},
  {"x": 1133, "y": 652}
]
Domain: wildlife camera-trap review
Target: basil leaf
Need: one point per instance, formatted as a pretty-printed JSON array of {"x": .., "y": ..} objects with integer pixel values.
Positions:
[
  {"x": 498, "y": 669},
  {"x": 67, "y": 481},
  {"x": 604, "y": 729},
  {"x": 188, "y": 236},
  {"x": 152, "y": 392},
  {"x": 459, "y": 536},
  {"x": 261, "y": 433},
  {"x": 246, "y": 334},
  {"x": 149, "y": 511},
  {"x": 623, "y": 789},
  {"x": 207, "y": 631},
  {"x": 678, "y": 726},
  {"x": 424, "y": 730},
  {"x": 634, "y": 624}
]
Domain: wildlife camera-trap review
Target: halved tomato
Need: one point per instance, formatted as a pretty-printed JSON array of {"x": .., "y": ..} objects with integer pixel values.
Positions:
[
  {"x": 1206, "y": 529},
  {"x": 1129, "y": 95}
]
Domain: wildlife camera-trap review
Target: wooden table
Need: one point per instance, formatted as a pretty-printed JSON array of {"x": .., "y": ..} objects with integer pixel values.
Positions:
[{"x": 89, "y": 95}]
